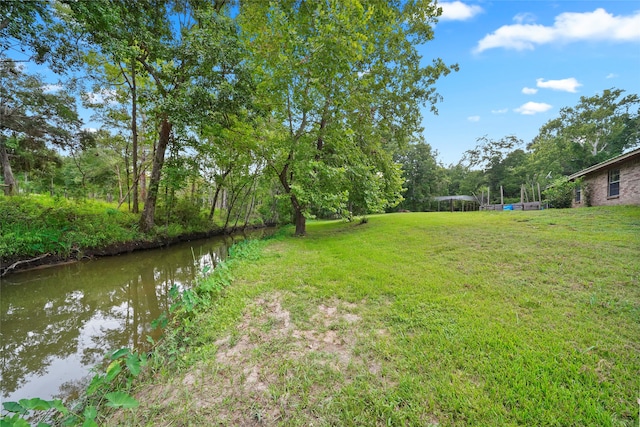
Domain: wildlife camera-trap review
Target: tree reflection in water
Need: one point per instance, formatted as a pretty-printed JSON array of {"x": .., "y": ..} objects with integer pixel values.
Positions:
[{"x": 58, "y": 323}]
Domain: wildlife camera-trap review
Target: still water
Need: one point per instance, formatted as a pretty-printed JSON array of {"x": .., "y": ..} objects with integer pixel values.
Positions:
[{"x": 59, "y": 322}]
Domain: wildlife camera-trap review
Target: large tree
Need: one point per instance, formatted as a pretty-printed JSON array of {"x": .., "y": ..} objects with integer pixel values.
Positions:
[
  {"x": 32, "y": 118},
  {"x": 423, "y": 177},
  {"x": 597, "y": 128},
  {"x": 118, "y": 98},
  {"x": 341, "y": 83},
  {"x": 188, "y": 50},
  {"x": 502, "y": 164}
]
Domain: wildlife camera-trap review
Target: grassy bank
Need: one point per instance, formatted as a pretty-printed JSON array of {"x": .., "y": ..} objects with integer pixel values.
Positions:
[
  {"x": 34, "y": 225},
  {"x": 481, "y": 318}
]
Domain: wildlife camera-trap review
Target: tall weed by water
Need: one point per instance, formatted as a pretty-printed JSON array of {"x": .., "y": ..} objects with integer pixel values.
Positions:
[
  {"x": 181, "y": 321},
  {"x": 107, "y": 389},
  {"x": 212, "y": 282}
]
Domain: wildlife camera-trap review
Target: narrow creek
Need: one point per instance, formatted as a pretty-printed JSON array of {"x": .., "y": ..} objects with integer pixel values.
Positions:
[{"x": 59, "y": 322}]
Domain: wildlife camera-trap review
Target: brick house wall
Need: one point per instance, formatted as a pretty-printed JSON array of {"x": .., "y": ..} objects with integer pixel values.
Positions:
[{"x": 595, "y": 185}]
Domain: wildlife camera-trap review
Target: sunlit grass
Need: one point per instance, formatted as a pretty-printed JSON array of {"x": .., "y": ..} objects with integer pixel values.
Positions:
[{"x": 479, "y": 318}]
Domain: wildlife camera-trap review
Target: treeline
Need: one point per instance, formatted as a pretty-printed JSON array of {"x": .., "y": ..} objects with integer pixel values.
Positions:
[
  {"x": 596, "y": 129},
  {"x": 246, "y": 112}
]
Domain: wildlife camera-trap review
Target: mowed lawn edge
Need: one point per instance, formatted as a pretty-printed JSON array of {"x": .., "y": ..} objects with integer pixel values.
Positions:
[{"x": 477, "y": 318}]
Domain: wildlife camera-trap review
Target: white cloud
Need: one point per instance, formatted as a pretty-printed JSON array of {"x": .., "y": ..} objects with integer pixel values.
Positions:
[
  {"x": 500, "y": 111},
  {"x": 102, "y": 96},
  {"x": 529, "y": 90},
  {"x": 523, "y": 18},
  {"x": 568, "y": 27},
  {"x": 473, "y": 118},
  {"x": 51, "y": 88},
  {"x": 518, "y": 37},
  {"x": 531, "y": 108},
  {"x": 458, "y": 11},
  {"x": 564, "y": 85},
  {"x": 90, "y": 130},
  {"x": 611, "y": 76}
]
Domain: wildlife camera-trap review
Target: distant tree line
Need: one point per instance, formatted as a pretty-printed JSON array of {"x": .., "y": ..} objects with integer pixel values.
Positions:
[{"x": 596, "y": 129}]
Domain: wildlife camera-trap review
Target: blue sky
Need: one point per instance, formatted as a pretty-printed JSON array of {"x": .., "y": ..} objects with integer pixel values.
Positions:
[{"x": 522, "y": 61}]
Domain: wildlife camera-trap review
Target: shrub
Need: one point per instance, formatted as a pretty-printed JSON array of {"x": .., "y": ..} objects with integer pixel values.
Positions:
[{"x": 561, "y": 192}]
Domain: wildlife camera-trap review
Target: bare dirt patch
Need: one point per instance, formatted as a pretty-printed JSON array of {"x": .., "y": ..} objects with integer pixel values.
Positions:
[{"x": 271, "y": 369}]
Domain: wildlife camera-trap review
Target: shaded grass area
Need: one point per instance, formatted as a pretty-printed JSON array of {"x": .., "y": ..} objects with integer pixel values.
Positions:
[{"x": 479, "y": 318}]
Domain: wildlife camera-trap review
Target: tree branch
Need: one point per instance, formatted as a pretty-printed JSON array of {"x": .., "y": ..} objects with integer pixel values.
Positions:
[
  {"x": 153, "y": 74},
  {"x": 26, "y": 261}
]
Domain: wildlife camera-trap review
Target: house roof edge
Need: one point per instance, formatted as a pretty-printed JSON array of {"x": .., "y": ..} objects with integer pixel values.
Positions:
[{"x": 623, "y": 157}]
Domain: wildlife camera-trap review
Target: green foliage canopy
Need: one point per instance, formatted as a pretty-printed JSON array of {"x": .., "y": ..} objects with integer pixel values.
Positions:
[
  {"x": 596, "y": 129},
  {"x": 33, "y": 118},
  {"x": 423, "y": 177},
  {"x": 341, "y": 84},
  {"x": 187, "y": 49}
]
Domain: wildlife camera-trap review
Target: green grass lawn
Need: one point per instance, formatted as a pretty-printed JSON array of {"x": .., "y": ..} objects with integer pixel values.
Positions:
[{"x": 478, "y": 318}]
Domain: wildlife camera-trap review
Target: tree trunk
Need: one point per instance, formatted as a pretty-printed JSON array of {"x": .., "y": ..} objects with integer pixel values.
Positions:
[
  {"x": 120, "y": 191},
  {"x": 301, "y": 222},
  {"x": 234, "y": 198},
  {"x": 300, "y": 219},
  {"x": 7, "y": 173},
  {"x": 298, "y": 212},
  {"x": 134, "y": 137},
  {"x": 249, "y": 191},
  {"x": 213, "y": 204},
  {"x": 219, "y": 184},
  {"x": 147, "y": 220},
  {"x": 143, "y": 178},
  {"x": 249, "y": 209}
]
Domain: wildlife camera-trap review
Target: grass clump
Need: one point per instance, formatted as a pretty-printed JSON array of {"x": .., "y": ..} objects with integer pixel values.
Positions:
[{"x": 479, "y": 318}]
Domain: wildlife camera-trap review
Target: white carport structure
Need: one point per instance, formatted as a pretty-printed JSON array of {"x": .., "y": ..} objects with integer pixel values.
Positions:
[{"x": 452, "y": 199}]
